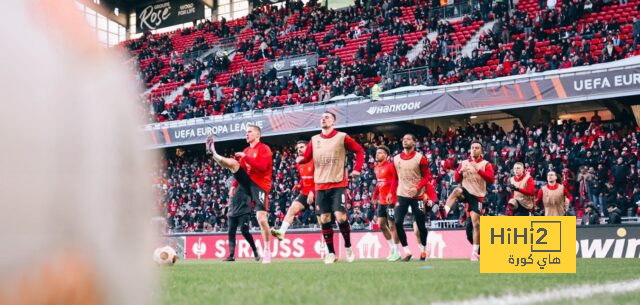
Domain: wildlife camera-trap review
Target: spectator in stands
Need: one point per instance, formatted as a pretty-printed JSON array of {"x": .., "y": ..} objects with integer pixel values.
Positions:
[
  {"x": 615, "y": 215},
  {"x": 375, "y": 92},
  {"x": 588, "y": 7},
  {"x": 635, "y": 199},
  {"x": 636, "y": 32},
  {"x": 590, "y": 218},
  {"x": 623, "y": 203},
  {"x": 357, "y": 219},
  {"x": 620, "y": 172},
  {"x": 609, "y": 53}
]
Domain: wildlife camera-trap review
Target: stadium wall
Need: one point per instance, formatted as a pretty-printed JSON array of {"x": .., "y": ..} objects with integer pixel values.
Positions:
[{"x": 604, "y": 241}]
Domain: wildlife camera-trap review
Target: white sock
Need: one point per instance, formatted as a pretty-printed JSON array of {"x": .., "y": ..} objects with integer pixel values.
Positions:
[
  {"x": 266, "y": 248},
  {"x": 391, "y": 245},
  {"x": 447, "y": 209},
  {"x": 476, "y": 248},
  {"x": 285, "y": 225},
  {"x": 398, "y": 248},
  {"x": 406, "y": 250},
  {"x": 421, "y": 248}
]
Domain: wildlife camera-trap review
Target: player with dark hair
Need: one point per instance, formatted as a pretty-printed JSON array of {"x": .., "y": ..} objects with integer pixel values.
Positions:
[
  {"x": 328, "y": 152},
  {"x": 385, "y": 199},
  {"x": 412, "y": 180},
  {"x": 554, "y": 197},
  {"x": 252, "y": 171},
  {"x": 522, "y": 190},
  {"x": 306, "y": 197},
  {"x": 473, "y": 174}
]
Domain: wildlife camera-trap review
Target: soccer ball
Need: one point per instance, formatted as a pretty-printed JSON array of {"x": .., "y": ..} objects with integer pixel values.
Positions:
[{"x": 165, "y": 256}]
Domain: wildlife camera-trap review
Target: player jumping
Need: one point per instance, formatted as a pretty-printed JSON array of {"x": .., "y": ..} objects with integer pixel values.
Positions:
[
  {"x": 328, "y": 152},
  {"x": 253, "y": 171},
  {"x": 473, "y": 174}
]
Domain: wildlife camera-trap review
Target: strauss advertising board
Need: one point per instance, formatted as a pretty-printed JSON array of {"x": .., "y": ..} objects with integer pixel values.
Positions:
[
  {"x": 366, "y": 245},
  {"x": 591, "y": 242}
]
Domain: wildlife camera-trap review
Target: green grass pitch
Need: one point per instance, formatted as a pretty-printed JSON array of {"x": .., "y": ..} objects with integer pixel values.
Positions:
[{"x": 375, "y": 282}]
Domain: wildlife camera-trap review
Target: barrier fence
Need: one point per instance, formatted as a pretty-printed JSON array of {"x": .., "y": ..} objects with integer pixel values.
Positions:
[{"x": 601, "y": 241}]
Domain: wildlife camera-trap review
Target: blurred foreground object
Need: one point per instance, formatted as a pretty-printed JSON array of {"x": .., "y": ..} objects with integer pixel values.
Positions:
[
  {"x": 165, "y": 256},
  {"x": 74, "y": 181}
]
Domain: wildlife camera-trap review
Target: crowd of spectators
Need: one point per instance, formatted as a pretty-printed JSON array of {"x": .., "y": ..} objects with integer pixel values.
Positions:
[
  {"x": 509, "y": 47},
  {"x": 511, "y": 42},
  {"x": 288, "y": 31},
  {"x": 598, "y": 163}
]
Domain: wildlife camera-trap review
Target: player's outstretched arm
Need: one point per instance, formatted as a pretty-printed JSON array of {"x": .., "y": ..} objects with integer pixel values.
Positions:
[{"x": 227, "y": 163}]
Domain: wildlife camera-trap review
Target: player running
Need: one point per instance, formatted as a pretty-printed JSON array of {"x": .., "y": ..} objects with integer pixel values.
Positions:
[
  {"x": 306, "y": 197},
  {"x": 328, "y": 152},
  {"x": 522, "y": 190},
  {"x": 253, "y": 171},
  {"x": 474, "y": 174},
  {"x": 385, "y": 199},
  {"x": 554, "y": 196},
  {"x": 412, "y": 179}
]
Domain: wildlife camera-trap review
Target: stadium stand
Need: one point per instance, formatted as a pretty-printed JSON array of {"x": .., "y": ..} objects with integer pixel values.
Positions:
[
  {"x": 357, "y": 48},
  {"x": 598, "y": 162},
  {"x": 535, "y": 39},
  {"x": 360, "y": 46}
]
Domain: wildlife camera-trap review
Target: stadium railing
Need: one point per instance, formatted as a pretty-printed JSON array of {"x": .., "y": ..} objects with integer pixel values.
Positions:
[{"x": 624, "y": 220}]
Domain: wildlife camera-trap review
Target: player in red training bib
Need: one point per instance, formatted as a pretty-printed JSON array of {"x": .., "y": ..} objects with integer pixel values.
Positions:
[{"x": 473, "y": 175}]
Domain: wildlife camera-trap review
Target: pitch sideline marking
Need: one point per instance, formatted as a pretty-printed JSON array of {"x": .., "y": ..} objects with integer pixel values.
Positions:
[{"x": 572, "y": 292}]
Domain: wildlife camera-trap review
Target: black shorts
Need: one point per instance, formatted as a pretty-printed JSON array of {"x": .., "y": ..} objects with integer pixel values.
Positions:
[
  {"x": 473, "y": 204},
  {"x": 332, "y": 200},
  {"x": 520, "y": 211},
  {"x": 259, "y": 197},
  {"x": 303, "y": 199},
  {"x": 402, "y": 208},
  {"x": 385, "y": 211}
]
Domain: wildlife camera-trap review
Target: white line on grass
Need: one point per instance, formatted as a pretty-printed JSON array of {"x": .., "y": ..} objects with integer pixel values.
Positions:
[{"x": 572, "y": 292}]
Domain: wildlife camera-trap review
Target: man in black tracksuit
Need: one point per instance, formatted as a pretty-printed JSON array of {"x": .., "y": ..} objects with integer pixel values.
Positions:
[{"x": 239, "y": 214}]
